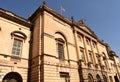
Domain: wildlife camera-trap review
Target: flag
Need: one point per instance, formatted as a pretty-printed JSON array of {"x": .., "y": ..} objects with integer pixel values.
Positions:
[{"x": 62, "y": 9}]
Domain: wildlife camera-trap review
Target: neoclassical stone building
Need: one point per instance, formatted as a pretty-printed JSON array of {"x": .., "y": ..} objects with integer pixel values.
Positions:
[{"x": 48, "y": 47}]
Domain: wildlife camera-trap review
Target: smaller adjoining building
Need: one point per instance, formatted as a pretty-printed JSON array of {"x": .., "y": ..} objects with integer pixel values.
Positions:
[
  {"x": 48, "y": 47},
  {"x": 114, "y": 69},
  {"x": 14, "y": 47}
]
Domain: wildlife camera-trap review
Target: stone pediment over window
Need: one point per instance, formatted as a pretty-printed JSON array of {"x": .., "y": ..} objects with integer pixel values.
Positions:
[
  {"x": 84, "y": 27},
  {"x": 60, "y": 40},
  {"x": 18, "y": 34}
]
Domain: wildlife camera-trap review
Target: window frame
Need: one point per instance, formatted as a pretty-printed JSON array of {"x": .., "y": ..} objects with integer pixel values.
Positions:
[
  {"x": 20, "y": 36},
  {"x": 20, "y": 52},
  {"x": 62, "y": 43},
  {"x": 60, "y": 51},
  {"x": 65, "y": 75},
  {"x": 104, "y": 60},
  {"x": 91, "y": 60},
  {"x": 90, "y": 78},
  {"x": 98, "y": 58},
  {"x": 80, "y": 38},
  {"x": 82, "y": 54},
  {"x": 88, "y": 41},
  {"x": 94, "y": 44}
]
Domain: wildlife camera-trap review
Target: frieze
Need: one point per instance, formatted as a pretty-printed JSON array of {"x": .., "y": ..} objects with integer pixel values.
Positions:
[{"x": 60, "y": 64}]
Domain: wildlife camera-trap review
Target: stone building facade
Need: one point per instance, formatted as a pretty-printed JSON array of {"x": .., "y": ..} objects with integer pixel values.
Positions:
[
  {"x": 14, "y": 47},
  {"x": 48, "y": 47}
]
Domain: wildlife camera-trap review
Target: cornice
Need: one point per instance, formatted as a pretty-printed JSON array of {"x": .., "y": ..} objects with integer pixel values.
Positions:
[
  {"x": 13, "y": 17},
  {"x": 112, "y": 53},
  {"x": 103, "y": 43},
  {"x": 43, "y": 8}
]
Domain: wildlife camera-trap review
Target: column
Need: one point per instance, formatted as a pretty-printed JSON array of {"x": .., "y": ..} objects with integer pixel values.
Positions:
[{"x": 76, "y": 43}]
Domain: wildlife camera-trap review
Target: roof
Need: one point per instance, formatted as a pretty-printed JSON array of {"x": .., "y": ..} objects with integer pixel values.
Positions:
[{"x": 112, "y": 53}]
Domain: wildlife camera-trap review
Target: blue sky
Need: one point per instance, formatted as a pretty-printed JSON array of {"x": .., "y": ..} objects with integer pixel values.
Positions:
[{"x": 102, "y": 16}]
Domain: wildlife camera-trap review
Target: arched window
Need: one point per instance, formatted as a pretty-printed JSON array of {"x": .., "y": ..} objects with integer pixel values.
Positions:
[
  {"x": 90, "y": 78},
  {"x": 12, "y": 77},
  {"x": 18, "y": 39},
  {"x": 61, "y": 45},
  {"x": 98, "y": 78},
  {"x": 105, "y": 78}
]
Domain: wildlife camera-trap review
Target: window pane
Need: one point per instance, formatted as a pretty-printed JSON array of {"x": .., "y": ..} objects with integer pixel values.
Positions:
[
  {"x": 17, "y": 53},
  {"x": 87, "y": 41},
  {"x": 13, "y": 52},
  {"x": 60, "y": 51},
  {"x": 17, "y": 46},
  {"x": 91, "y": 59},
  {"x": 82, "y": 54},
  {"x": 94, "y": 44},
  {"x": 14, "y": 44},
  {"x": 62, "y": 79}
]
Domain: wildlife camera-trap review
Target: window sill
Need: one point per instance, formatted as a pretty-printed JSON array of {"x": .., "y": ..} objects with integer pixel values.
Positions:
[
  {"x": 15, "y": 58},
  {"x": 62, "y": 60}
]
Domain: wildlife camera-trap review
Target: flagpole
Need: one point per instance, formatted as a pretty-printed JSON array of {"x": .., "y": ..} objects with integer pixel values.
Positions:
[{"x": 60, "y": 10}]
